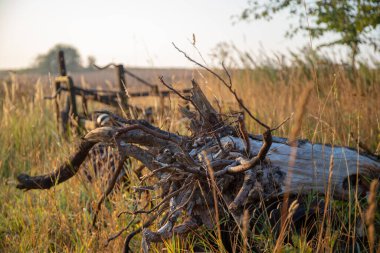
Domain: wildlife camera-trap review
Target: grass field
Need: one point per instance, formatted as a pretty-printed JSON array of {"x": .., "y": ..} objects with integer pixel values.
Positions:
[{"x": 343, "y": 103}]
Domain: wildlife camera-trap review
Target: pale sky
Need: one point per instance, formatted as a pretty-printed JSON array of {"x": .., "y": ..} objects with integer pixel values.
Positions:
[{"x": 134, "y": 32}]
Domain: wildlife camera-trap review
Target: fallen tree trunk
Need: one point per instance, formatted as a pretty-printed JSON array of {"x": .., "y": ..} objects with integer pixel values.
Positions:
[
  {"x": 310, "y": 171},
  {"x": 219, "y": 169}
]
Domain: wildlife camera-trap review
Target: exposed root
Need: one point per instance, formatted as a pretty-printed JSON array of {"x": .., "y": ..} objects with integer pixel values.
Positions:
[{"x": 63, "y": 173}]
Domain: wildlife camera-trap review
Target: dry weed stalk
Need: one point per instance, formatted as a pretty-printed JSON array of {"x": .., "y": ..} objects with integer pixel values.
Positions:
[{"x": 370, "y": 214}]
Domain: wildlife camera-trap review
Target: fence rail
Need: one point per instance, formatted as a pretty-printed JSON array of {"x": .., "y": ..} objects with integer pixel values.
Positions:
[{"x": 116, "y": 98}]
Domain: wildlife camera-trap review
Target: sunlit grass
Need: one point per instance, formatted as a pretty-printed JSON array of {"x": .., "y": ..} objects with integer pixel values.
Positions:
[{"x": 59, "y": 220}]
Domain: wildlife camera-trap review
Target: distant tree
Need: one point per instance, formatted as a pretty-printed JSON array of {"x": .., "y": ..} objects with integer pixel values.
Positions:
[
  {"x": 49, "y": 62},
  {"x": 353, "y": 20}
]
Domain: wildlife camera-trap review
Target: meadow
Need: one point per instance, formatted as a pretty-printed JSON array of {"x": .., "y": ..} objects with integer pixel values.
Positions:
[{"x": 344, "y": 105}]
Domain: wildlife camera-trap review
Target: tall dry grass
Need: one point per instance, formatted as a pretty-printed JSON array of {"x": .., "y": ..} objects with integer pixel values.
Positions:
[{"x": 341, "y": 102}]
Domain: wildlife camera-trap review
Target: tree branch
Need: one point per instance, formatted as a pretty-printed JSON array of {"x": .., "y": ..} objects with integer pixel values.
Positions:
[{"x": 63, "y": 173}]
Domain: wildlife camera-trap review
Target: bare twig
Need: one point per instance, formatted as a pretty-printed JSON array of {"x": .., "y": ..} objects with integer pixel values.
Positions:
[
  {"x": 173, "y": 90},
  {"x": 199, "y": 64},
  {"x": 267, "y": 142},
  {"x": 184, "y": 203},
  {"x": 187, "y": 226},
  {"x": 228, "y": 74},
  {"x": 154, "y": 172},
  {"x": 164, "y": 200},
  {"x": 244, "y": 134},
  {"x": 111, "y": 238},
  {"x": 165, "y": 136},
  {"x": 228, "y": 85},
  {"x": 282, "y": 123},
  {"x": 182, "y": 96},
  {"x": 111, "y": 184},
  {"x": 145, "y": 225},
  {"x": 249, "y": 181}
]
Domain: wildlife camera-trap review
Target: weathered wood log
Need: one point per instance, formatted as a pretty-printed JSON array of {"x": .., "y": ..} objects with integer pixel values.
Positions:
[
  {"x": 311, "y": 166},
  {"x": 309, "y": 173}
]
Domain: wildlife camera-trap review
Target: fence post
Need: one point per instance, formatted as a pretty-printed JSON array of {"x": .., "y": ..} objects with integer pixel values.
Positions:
[
  {"x": 62, "y": 72},
  {"x": 61, "y": 63},
  {"x": 74, "y": 109},
  {"x": 122, "y": 84},
  {"x": 70, "y": 85},
  {"x": 56, "y": 101}
]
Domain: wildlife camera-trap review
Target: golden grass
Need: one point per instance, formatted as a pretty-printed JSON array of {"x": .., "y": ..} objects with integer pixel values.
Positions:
[{"x": 59, "y": 220}]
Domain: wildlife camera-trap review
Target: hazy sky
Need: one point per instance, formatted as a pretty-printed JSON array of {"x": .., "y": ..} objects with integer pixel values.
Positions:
[{"x": 133, "y": 32}]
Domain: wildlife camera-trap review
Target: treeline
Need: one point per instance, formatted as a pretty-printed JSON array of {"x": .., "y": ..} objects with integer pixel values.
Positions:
[{"x": 48, "y": 62}]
